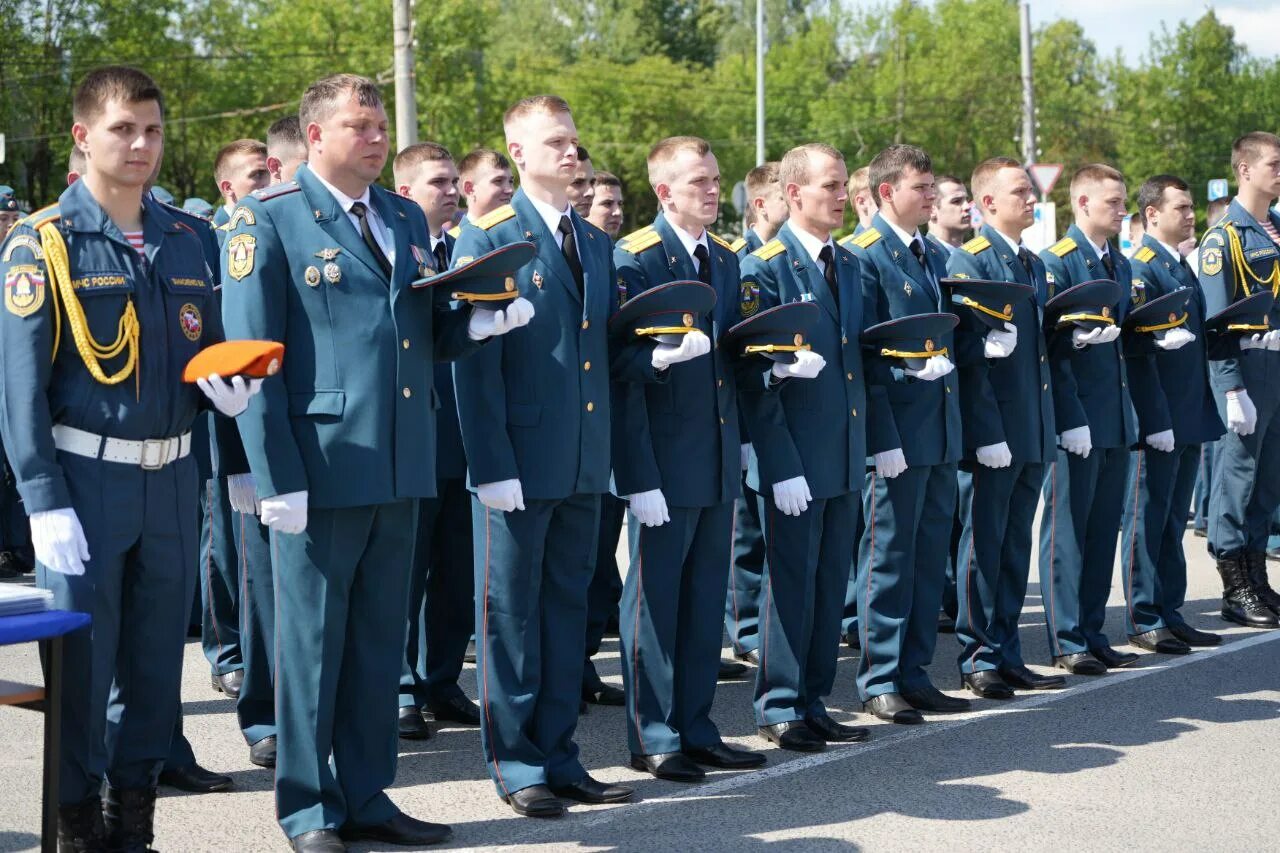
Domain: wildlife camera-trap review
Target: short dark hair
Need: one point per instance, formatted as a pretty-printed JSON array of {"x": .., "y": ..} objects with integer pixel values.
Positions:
[
  {"x": 483, "y": 157},
  {"x": 285, "y": 133},
  {"x": 948, "y": 179},
  {"x": 607, "y": 179},
  {"x": 1248, "y": 148},
  {"x": 231, "y": 149},
  {"x": 583, "y": 156},
  {"x": 1151, "y": 193},
  {"x": 889, "y": 164},
  {"x": 408, "y": 160},
  {"x": 322, "y": 97},
  {"x": 112, "y": 83}
]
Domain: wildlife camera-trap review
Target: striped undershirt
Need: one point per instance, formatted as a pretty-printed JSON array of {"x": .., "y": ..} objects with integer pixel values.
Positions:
[
  {"x": 135, "y": 240},
  {"x": 1271, "y": 230}
]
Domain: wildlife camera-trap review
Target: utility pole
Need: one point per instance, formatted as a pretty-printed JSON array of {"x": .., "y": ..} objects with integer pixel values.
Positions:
[
  {"x": 406, "y": 103},
  {"x": 759, "y": 82},
  {"x": 1029, "y": 154}
]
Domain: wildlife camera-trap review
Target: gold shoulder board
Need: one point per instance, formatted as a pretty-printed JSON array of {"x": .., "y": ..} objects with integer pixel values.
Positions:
[
  {"x": 866, "y": 238},
  {"x": 769, "y": 250},
  {"x": 637, "y": 242},
  {"x": 723, "y": 242},
  {"x": 976, "y": 245},
  {"x": 1063, "y": 247},
  {"x": 1145, "y": 254},
  {"x": 492, "y": 218}
]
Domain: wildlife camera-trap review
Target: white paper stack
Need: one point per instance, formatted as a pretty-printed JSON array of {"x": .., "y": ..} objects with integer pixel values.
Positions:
[{"x": 16, "y": 599}]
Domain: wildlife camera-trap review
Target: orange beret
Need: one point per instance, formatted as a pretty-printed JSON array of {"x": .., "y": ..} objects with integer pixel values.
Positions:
[{"x": 252, "y": 359}]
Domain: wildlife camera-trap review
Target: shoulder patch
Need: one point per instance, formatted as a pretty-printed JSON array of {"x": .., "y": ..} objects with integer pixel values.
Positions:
[
  {"x": 240, "y": 214},
  {"x": 769, "y": 250},
  {"x": 1145, "y": 254},
  {"x": 637, "y": 242},
  {"x": 1063, "y": 247},
  {"x": 721, "y": 241},
  {"x": 738, "y": 245},
  {"x": 866, "y": 238},
  {"x": 976, "y": 245},
  {"x": 493, "y": 217}
]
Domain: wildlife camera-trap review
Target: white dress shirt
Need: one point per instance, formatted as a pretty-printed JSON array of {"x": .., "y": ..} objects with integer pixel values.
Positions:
[{"x": 376, "y": 225}]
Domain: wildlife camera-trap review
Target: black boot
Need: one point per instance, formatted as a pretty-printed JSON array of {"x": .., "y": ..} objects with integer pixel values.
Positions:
[
  {"x": 1255, "y": 564},
  {"x": 129, "y": 814},
  {"x": 80, "y": 827},
  {"x": 1240, "y": 604}
]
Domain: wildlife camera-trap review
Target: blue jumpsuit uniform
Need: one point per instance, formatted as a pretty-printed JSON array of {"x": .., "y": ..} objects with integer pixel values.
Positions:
[
  {"x": 1160, "y": 484},
  {"x": 816, "y": 432},
  {"x": 140, "y": 523},
  {"x": 1084, "y": 496},
  {"x": 902, "y": 560},
  {"x": 534, "y": 406},
  {"x": 1237, "y": 258},
  {"x": 678, "y": 433},
  {"x": 357, "y": 433}
]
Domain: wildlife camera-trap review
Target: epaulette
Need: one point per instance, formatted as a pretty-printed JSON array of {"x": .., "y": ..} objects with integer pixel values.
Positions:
[
  {"x": 846, "y": 240},
  {"x": 636, "y": 235},
  {"x": 455, "y": 232},
  {"x": 769, "y": 250},
  {"x": 738, "y": 245},
  {"x": 721, "y": 241},
  {"x": 268, "y": 193},
  {"x": 867, "y": 238},
  {"x": 976, "y": 245},
  {"x": 637, "y": 241},
  {"x": 1145, "y": 254},
  {"x": 493, "y": 217},
  {"x": 41, "y": 216},
  {"x": 173, "y": 208},
  {"x": 1063, "y": 247}
]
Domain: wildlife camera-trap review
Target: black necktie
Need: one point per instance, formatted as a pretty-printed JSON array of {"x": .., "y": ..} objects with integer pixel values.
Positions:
[
  {"x": 1025, "y": 257},
  {"x": 828, "y": 259},
  {"x": 442, "y": 258},
  {"x": 1186, "y": 267},
  {"x": 1109, "y": 264},
  {"x": 360, "y": 212},
  {"x": 704, "y": 263},
  {"x": 917, "y": 249},
  {"x": 570, "y": 249}
]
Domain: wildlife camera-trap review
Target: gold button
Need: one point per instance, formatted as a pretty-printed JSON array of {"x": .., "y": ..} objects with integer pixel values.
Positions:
[
  {"x": 586, "y": 323},
  {"x": 591, "y": 407},
  {"x": 849, "y": 376},
  {"x": 1044, "y": 387},
  {"x": 407, "y": 393},
  {"x": 948, "y": 389},
  {"x": 722, "y": 422},
  {"x": 1042, "y": 359},
  {"x": 405, "y": 343},
  {"x": 844, "y": 339},
  {"x": 853, "y": 412},
  {"x": 719, "y": 383},
  {"x": 586, "y": 365}
]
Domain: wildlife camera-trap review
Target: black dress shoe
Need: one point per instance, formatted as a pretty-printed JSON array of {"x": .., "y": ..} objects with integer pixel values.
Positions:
[
  {"x": 453, "y": 709},
  {"x": 793, "y": 735},
  {"x": 401, "y": 829},
  {"x": 987, "y": 683},
  {"x": 318, "y": 841},
  {"x": 725, "y": 757},
  {"x": 1112, "y": 659},
  {"x": 1080, "y": 663},
  {"x": 731, "y": 670},
  {"x": 946, "y": 623},
  {"x": 892, "y": 708},
  {"x": 263, "y": 753},
  {"x": 930, "y": 698},
  {"x": 832, "y": 732},
  {"x": 195, "y": 779},
  {"x": 535, "y": 801},
  {"x": 752, "y": 657},
  {"x": 604, "y": 694},
  {"x": 412, "y": 726},
  {"x": 1161, "y": 641},
  {"x": 228, "y": 683},
  {"x": 852, "y": 640},
  {"x": 1020, "y": 677},
  {"x": 588, "y": 790},
  {"x": 672, "y": 766},
  {"x": 1194, "y": 637}
]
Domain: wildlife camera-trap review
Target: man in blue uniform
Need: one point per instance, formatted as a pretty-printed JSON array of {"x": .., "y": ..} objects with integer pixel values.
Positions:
[
  {"x": 109, "y": 420},
  {"x": 914, "y": 436},
  {"x": 1084, "y": 488},
  {"x": 1162, "y": 476},
  {"x": 1239, "y": 256},
  {"x": 341, "y": 449},
  {"x": 1007, "y": 423},
  {"x": 676, "y": 460},
  {"x": 534, "y": 410},
  {"x": 809, "y": 454},
  {"x": 441, "y": 594}
]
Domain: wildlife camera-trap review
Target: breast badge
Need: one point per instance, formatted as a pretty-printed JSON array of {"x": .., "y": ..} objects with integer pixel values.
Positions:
[
  {"x": 23, "y": 290},
  {"x": 240, "y": 255},
  {"x": 189, "y": 320}
]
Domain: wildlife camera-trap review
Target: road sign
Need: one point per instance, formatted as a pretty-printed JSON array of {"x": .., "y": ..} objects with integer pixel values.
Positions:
[
  {"x": 1, "y": 147},
  {"x": 1217, "y": 189},
  {"x": 1042, "y": 233},
  {"x": 739, "y": 197},
  {"x": 1044, "y": 175}
]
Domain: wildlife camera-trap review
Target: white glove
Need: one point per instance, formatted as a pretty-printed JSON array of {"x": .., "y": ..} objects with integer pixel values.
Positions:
[
  {"x": 1175, "y": 339},
  {"x": 650, "y": 508},
  {"x": 504, "y": 495},
  {"x": 229, "y": 398},
  {"x": 1272, "y": 340},
  {"x": 808, "y": 364},
  {"x": 792, "y": 496},
  {"x": 285, "y": 513},
  {"x": 891, "y": 463},
  {"x": 744, "y": 455},
  {"x": 1162, "y": 441},
  {"x": 1078, "y": 441},
  {"x": 486, "y": 323},
  {"x": 1000, "y": 344},
  {"x": 1254, "y": 341},
  {"x": 1242, "y": 417},
  {"x": 58, "y": 540},
  {"x": 692, "y": 345},
  {"x": 995, "y": 455},
  {"x": 1100, "y": 335},
  {"x": 243, "y": 493},
  {"x": 1109, "y": 334},
  {"x": 935, "y": 367}
]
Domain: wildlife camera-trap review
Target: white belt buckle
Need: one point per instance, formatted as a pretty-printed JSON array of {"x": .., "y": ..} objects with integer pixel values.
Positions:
[{"x": 154, "y": 454}]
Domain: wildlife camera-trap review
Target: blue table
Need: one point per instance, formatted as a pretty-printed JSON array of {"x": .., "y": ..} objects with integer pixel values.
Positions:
[{"x": 47, "y": 629}]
